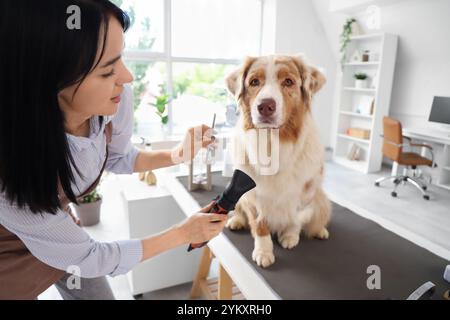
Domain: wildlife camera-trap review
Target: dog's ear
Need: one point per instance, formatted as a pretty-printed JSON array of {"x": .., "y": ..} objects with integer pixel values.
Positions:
[
  {"x": 317, "y": 79},
  {"x": 235, "y": 80},
  {"x": 312, "y": 78},
  {"x": 232, "y": 81}
]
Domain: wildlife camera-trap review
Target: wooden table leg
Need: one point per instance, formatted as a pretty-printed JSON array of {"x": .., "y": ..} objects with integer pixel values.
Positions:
[
  {"x": 202, "y": 273},
  {"x": 200, "y": 284},
  {"x": 225, "y": 285}
]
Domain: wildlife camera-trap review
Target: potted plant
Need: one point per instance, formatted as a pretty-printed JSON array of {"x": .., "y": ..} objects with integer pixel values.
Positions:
[
  {"x": 361, "y": 80},
  {"x": 88, "y": 209},
  {"x": 160, "y": 105},
  {"x": 350, "y": 28}
]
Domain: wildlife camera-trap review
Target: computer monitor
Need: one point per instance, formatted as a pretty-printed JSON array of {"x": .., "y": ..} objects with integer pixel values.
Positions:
[{"x": 440, "y": 111}]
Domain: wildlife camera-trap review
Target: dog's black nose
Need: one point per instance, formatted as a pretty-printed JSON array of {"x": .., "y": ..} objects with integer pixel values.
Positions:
[{"x": 267, "y": 107}]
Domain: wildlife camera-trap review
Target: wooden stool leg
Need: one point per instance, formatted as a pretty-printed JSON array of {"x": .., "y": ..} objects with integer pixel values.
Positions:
[
  {"x": 225, "y": 285},
  {"x": 202, "y": 273}
]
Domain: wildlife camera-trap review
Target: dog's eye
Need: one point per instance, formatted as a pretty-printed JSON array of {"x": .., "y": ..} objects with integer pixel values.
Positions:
[
  {"x": 254, "y": 83},
  {"x": 288, "y": 82}
]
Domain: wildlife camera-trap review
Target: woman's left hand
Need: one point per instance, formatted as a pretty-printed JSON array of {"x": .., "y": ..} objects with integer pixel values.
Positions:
[{"x": 194, "y": 139}]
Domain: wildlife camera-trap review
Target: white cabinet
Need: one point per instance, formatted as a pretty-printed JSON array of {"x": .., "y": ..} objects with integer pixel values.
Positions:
[
  {"x": 150, "y": 210},
  {"x": 354, "y": 103}
]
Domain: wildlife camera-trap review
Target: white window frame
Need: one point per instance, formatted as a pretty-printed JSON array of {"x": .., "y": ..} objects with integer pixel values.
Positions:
[{"x": 167, "y": 57}]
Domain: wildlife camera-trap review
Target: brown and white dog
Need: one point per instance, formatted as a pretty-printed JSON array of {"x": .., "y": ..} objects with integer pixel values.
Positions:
[{"x": 274, "y": 94}]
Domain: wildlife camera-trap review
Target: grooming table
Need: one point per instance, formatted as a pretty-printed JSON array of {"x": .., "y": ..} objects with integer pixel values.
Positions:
[{"x": 320, "y": 269}]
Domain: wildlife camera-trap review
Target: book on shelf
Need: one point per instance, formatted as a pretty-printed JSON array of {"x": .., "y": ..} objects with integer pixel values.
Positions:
[
  {"x": 354, "y": 153},
  {"x": 358, "y": 133}
]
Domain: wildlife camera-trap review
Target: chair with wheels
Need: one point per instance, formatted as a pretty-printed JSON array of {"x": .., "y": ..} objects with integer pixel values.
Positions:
[{"x": 393, "y": 144}]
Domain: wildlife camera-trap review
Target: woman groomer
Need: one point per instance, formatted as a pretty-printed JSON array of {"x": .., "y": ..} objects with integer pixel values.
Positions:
[{"x": 65, "y": 116}]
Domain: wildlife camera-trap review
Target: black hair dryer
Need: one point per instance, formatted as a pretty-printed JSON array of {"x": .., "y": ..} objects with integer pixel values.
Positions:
[{"x": 240, "y": 183}]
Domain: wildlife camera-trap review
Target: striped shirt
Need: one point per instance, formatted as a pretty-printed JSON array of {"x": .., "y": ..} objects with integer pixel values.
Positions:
[{"x": 55, "y": 239}]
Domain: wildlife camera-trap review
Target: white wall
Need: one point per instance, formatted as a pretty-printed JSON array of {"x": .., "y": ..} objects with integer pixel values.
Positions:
[
  {"x": 423, "y": 57},
  {"x": 298, "y": 30}
]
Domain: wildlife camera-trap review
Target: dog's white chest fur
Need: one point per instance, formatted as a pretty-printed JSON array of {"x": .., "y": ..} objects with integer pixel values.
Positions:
[{"x": 279, "y": 186}]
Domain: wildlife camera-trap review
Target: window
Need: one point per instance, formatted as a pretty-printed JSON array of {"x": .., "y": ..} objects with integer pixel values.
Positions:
[
  {"x": 200, "y": 92},
  {"x": 185, "y": 49},
  {"x": 147, "y": 24},
  {"x": 149, "y": 76},
  {"x": 215, "y": 29}
]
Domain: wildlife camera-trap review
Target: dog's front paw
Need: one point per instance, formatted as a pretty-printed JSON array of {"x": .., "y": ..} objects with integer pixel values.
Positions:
[
  {"x": 323, "y": 234},
  {"x": 236, "y": 222},
  {"x": 288, "y": 241},
  {"x": 263, "y": 258}
]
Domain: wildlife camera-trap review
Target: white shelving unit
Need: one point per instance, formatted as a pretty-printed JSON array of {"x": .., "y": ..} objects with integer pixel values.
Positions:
[{"x": 350, "y": 98}]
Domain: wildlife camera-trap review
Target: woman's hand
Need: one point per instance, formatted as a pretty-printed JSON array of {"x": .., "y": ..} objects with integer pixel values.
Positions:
[
  {"x": 194, "y": 139},
  {"x": 199, "y": 228},
  {"x": 203, "y": 226}
]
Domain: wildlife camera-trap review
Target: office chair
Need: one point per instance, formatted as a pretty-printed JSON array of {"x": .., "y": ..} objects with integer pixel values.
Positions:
[{"x": 393, "y": 149}]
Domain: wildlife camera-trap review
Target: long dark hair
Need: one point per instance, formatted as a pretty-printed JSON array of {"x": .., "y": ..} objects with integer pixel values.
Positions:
[{"x": 39, "y": 56}]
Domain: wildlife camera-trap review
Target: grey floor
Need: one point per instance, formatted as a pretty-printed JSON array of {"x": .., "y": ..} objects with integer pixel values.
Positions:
[
  {"x": 428, "y": 221},
  {"x": 409, "y": 213}
]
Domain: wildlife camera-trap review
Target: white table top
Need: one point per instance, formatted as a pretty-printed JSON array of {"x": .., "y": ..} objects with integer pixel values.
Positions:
[{"x": 427, "y": 134}]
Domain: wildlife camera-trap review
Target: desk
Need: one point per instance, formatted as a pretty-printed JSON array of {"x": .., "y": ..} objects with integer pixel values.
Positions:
[{"x": 437, "y": 137}]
